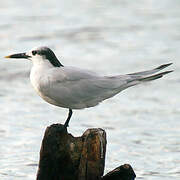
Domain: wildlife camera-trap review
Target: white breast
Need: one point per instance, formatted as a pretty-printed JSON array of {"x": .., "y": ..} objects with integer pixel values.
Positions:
[
  {"x": 40, "y": 83},
  {"x": 35, "y": 77}
]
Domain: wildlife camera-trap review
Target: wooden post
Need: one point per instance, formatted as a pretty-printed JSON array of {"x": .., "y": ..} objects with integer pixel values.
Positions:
[{"x": 64, "y": 157}]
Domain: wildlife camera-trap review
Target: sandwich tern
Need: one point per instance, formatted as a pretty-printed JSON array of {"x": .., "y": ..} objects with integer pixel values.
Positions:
[{"x": 75, "y": 88}]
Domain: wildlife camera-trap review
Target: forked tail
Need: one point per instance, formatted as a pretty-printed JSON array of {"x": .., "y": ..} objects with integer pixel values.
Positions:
[{"x": 144, "y": 76}]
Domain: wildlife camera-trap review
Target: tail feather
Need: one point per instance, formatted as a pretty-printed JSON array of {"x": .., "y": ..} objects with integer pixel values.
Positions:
[
  {"x": 145, "y": 76},
  {"x": 143, "y": 73},
  {"x": 153, "y": 77}
]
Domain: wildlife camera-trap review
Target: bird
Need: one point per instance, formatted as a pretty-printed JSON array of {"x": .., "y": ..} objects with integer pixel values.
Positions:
[{"x": 75, "y": 88}]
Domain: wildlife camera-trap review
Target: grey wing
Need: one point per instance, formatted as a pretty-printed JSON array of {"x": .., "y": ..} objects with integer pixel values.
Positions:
[
  {"x": 111, "y": 85},
  {"x": 78, "y": 89}
]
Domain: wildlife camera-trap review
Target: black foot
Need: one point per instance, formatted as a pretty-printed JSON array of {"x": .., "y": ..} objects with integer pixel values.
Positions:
[{"x": 66, "y": 124}]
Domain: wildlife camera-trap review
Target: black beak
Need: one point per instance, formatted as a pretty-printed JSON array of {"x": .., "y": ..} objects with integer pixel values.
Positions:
[{"x": 18, "y": 56}]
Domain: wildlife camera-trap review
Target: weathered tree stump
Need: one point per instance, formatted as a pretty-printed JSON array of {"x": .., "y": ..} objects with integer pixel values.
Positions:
[{"x": 64, "y": 157}]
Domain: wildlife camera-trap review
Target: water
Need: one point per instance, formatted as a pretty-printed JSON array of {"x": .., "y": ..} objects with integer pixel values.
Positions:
[{"x": 111, "y": 37}]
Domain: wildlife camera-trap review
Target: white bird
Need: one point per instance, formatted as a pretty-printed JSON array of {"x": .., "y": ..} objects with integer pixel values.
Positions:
[{"x": 75, "y": 88}]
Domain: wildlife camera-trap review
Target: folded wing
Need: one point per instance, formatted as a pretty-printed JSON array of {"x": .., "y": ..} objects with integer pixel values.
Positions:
[{"x": 75, "y": 88}]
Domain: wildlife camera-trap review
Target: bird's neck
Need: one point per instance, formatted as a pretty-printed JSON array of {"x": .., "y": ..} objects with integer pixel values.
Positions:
[
  {"x": 39, "y": 71},
  {"x": 42, "y": 64}
]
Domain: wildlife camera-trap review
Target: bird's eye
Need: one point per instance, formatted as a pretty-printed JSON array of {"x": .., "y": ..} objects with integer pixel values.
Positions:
[{"x": 34, "y": 53}]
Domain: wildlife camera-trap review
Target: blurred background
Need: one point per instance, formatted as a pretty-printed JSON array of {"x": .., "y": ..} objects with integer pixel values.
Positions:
[{"x": 110, "y": 37}]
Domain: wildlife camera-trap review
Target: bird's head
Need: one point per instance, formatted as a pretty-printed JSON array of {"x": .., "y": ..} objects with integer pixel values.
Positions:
[{"x": 39, "y": 55}]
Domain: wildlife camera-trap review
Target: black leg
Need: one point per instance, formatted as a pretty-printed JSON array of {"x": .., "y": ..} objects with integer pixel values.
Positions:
[{"x": 66, "y": 124}]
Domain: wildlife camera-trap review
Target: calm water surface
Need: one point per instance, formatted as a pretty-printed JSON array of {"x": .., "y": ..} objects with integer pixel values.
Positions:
[{"x": 111, "y": 37}]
